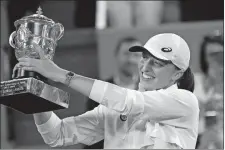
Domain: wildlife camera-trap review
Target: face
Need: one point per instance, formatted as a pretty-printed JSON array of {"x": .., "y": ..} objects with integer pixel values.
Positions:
[
  {"x": 215, "y": 59},
  {"x": 156, "y": 74},
  {"x": 127, "y": 62}
]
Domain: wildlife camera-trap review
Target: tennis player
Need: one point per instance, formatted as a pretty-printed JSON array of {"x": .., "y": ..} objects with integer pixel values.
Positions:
[{"x": 163, "y": 114}]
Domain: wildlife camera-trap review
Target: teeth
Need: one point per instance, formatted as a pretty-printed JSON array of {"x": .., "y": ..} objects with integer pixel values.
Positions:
[{"x": 146, "y": 76}]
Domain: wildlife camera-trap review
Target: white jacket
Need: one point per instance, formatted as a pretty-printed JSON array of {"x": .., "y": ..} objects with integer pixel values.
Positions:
[{"x": 127, "y": 119}]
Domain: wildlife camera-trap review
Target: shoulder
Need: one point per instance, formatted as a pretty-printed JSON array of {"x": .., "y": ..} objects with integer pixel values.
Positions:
[
  {"x": 180, "y": 95},
  {"x": 178, "y": 100},
  {"x": 185, "y": 96}
]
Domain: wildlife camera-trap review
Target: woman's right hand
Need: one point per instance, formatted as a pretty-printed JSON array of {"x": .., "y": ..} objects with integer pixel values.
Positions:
[{"x": 43, "y": 66}]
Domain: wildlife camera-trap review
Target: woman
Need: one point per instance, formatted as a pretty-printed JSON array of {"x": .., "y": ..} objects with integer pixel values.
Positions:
[
  {"x": 209, "y": 90},
  {"x": 162, "y": 114}
]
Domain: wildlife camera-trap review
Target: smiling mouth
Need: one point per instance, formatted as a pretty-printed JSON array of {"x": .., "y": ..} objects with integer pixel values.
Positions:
[{"x": 146, "y": 76}]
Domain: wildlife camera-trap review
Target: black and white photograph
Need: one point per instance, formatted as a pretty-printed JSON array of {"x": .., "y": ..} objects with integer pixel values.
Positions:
[{"x": 91, "y": 74}]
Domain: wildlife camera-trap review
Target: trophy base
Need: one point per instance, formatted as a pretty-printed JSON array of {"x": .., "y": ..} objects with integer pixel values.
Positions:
[
  {"x": 29, "y": 96},
  {"x": 21, "y": 73}
]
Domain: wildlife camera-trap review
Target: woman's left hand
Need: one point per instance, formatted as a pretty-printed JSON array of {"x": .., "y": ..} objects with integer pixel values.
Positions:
[{"x": 43, "y": 66}]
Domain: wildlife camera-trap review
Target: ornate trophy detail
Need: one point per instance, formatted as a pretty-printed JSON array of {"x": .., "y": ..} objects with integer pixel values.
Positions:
[
  {"x": 39, "y": 11},
  {"x": 37, "y": 29},
  {"x": 28, "y": 92}
]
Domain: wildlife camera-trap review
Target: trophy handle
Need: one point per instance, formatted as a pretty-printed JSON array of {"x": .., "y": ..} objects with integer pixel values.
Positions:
[
  {"x": 11, "y": 39},
  {"x": 61, "y": 30}
]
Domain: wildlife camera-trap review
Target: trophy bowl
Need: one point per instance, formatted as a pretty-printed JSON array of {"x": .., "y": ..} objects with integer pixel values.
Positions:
[
  {"x": 29, "y": 92},
  {"x": 37, "y": 29}
]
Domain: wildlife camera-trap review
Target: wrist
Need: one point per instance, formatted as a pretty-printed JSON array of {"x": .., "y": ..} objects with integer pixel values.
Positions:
[{"x": 61, "y": 77}]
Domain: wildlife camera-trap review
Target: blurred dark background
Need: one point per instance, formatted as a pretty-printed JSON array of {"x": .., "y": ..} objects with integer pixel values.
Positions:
[{"x": 92, "y": 31}]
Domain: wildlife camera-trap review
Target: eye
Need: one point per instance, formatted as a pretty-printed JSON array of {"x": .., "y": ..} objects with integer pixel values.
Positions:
[{"x": 158, "y": 63}]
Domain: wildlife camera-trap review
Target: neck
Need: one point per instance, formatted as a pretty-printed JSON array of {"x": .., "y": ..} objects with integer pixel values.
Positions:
[
  {"x": 172, "y": 83},
  {"x": 142, "y": 89}
]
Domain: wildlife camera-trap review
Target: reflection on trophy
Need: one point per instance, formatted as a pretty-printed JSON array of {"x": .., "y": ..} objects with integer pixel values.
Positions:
[{"x": 28, "y": 92}]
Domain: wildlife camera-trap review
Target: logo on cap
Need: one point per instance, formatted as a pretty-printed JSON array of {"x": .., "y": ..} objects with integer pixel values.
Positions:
[
  {"x": 123, "y": 117},
  {"x": 166, "y": 49}
]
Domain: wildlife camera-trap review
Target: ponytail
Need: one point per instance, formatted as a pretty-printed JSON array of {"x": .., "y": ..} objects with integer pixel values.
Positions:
[{"x": 187, "y": 81}]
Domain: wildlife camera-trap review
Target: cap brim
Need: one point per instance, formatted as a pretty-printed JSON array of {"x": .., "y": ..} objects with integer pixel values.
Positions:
[
  {"x": 152, "y": 52},
  {"x": 137, "y": 49}
]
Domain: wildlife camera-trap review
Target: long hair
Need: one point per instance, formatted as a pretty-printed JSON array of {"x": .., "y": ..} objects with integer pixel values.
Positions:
[{"x": 187, "y": 81}]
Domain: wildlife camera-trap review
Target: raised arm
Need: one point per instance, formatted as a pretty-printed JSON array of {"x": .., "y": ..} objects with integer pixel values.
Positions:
[{"x": 159, "y": 105}]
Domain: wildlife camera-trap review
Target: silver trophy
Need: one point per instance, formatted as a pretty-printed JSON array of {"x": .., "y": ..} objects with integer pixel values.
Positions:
[{"x": 29, "y": 92}]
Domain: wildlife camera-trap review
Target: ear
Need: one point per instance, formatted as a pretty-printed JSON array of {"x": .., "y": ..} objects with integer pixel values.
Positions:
[{"x": 177, "y": 75}]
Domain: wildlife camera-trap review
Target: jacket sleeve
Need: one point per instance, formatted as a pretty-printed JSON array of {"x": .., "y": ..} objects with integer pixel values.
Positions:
[
  {"x": 158, "y": 105},
  {"x": 86, "y": 129}
]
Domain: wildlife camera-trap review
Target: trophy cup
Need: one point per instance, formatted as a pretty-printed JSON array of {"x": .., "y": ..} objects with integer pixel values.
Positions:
[{"x": 29, "y": 92}]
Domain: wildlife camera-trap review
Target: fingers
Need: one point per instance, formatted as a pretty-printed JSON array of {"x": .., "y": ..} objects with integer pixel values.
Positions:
[
  {"x": 29, "y": 61},
  {"x": 40, "y": 51},
  {"x": 24, "y": 59}
]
